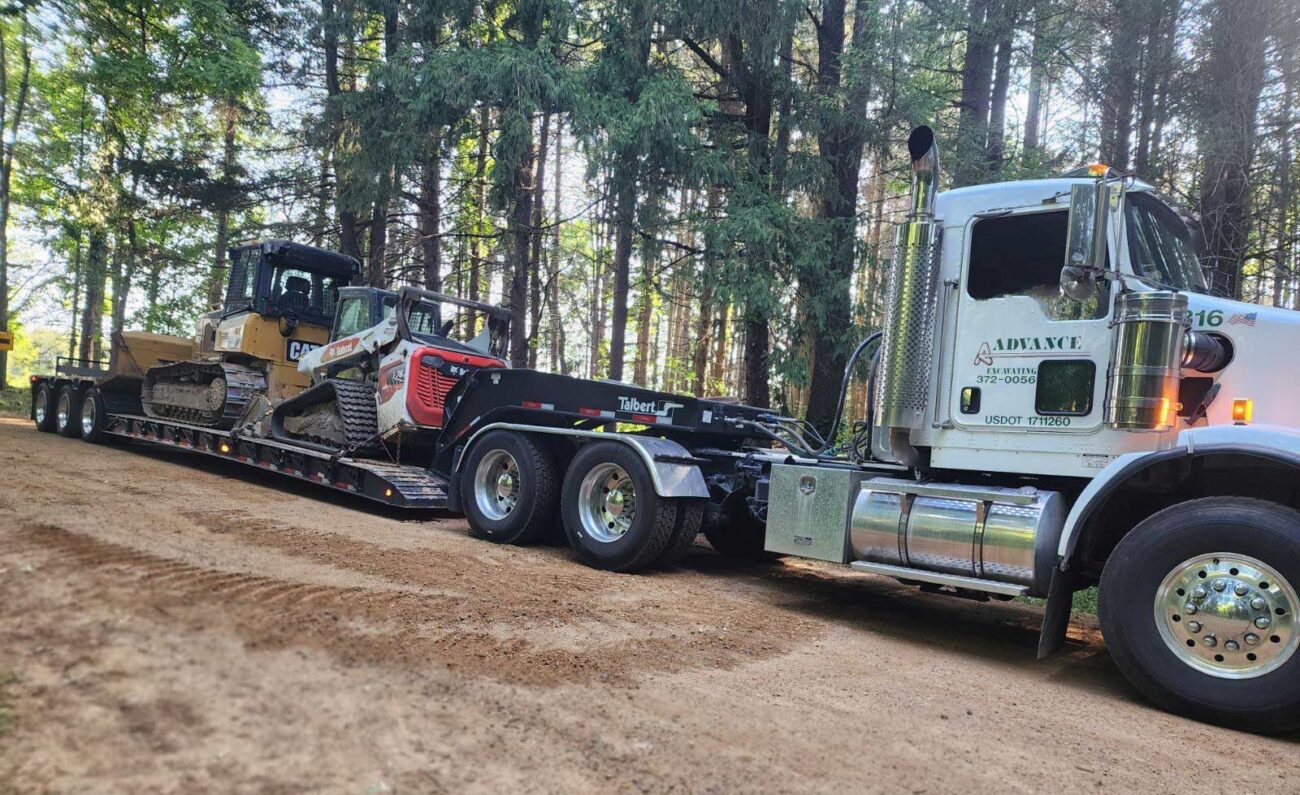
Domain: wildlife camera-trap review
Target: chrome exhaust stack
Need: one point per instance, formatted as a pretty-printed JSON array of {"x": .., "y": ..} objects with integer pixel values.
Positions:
[{"x": 903, "y": 381}]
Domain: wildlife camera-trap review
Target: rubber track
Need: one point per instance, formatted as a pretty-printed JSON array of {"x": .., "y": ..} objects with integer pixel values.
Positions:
[{"x": 356, "y": 402}]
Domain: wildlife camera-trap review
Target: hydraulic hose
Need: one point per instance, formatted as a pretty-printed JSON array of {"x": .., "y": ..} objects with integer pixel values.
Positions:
[{"x": 844, "y": 389}]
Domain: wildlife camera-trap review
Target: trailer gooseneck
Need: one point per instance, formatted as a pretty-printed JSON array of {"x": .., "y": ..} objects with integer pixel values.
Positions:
[{"x": 1056, "y": 403}]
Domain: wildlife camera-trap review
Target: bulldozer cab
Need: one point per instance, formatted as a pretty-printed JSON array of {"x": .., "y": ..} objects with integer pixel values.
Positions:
[{"x": 277, "y": 278}]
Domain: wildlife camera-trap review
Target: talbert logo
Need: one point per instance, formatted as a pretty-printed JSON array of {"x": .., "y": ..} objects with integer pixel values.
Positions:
[
  {"x": 659, "y": 408},
  {"x": 1040, "y": 347}
]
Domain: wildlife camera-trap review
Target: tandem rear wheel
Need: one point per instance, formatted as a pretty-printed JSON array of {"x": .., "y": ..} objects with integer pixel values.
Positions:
[
  {"x": 509, "y": 488},
  {"x": 1198, "y": 608},
  {"x": 613, "y": 517}
]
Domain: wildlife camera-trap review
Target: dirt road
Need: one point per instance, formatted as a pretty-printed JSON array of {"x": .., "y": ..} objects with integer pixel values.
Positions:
[{"x": 168, "y": 626}]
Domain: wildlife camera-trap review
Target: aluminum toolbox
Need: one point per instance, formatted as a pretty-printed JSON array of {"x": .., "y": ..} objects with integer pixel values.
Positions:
[{"x": 808, "y": 511}]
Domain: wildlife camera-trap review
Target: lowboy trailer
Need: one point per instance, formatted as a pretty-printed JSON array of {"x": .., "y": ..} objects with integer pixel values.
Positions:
[{"x": 1057, "y": 402}]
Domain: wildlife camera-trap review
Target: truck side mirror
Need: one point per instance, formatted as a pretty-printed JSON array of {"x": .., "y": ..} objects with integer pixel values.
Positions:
[{"x": 1085, "y": 246}]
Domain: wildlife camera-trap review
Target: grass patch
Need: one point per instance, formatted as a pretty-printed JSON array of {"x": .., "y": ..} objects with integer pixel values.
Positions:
[
  {"x": 15, "y": 402},
  {"x": 1085, "y": 601}
]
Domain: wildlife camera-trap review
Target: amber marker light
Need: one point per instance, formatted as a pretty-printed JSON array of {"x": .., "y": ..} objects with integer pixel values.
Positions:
[
  {"x": 225, "y": 448},
  {"x": 1098, "y": 170},
  {"x": 1243, "y": 410}
]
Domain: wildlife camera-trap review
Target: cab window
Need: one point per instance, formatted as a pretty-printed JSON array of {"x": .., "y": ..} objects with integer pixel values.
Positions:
[
  {"x": 1022, "y": 255},
  {"x": 352, "y": 317}
]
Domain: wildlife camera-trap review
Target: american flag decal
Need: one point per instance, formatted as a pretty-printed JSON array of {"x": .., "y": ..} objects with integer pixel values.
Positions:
[{"x": 1243, "y": 320}]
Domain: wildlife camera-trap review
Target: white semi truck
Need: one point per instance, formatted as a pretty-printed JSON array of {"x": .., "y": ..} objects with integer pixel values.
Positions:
[
  {"x": 1057, "y": 403},
  {"x": 1068, "y": 406}
]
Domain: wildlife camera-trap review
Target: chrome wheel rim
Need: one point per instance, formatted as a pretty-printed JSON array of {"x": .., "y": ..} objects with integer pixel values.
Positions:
[
  {"x": 607, "y": 503},
  {"x": 64, "y": 410},
  {"x": 88, "y": 416},
  {"x": 41, "y": 413},
  {"x": 496, "y": 484},
  {"x": 1229, "y": 616}
]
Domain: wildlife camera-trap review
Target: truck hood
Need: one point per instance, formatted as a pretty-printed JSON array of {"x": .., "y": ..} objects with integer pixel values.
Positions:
[{"x": 1265, "y": 342}]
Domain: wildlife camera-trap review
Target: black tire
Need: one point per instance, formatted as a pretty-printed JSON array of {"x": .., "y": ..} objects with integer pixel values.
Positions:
[
  {"x": 91, "y": 417},
  {"x": 1267, "y": 703},
  {"x": 43, "y": 407},
  {"x": 651, "y": 528},
  {"x": 528, "y": 511},
  {"x": 67, "y": 412},
  {"x": 740, "y": 537},
  {"x": 690, "y": 516}
]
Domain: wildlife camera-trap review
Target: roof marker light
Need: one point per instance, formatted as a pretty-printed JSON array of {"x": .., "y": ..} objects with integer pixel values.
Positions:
[{"x": 1243, "y": 411}]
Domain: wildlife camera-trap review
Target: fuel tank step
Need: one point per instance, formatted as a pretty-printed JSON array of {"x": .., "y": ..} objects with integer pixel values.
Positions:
[{"x": 936, "y": 578}]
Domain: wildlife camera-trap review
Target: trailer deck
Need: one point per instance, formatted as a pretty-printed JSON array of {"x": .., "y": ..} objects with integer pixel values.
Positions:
[{"x": 391, "y": 483}]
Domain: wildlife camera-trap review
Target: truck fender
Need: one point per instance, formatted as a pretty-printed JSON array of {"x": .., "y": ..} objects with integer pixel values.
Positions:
[
  {"x": 1279, "y": 444},
  {"x": 670, "y": 464}
]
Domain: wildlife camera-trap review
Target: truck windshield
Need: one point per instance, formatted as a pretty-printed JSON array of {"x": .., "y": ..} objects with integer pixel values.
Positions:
[{"x": 1160, "y": 246}]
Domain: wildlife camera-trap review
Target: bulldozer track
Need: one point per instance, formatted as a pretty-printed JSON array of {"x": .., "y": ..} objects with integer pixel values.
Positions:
[{"x": 243, "y": 385}]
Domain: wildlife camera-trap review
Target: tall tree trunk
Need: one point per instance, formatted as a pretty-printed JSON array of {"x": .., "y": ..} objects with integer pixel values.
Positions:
[
  {"x": 1232, "y": 79},
  {"x": 377, "y": 274},
  {"x": 1037, "y": 76},
  {"x": 478, "y": 253},
  {"x": 624, "y": 219},
  {"x": 976, "y": 88},
  {"x": 998, "y": 102},
  {"x": 217, "y": 276},
  {"x": 536, "y": 268},
  {"x": 558, "y": 361},
  {"x": 92, "y": 319},
  {"x": 1120, "y": 87},
  {"x": 349, "y": 236},
  {"x": 623, "y": 184},
  {"x": 828, "y": 300},
  {"x": 429, "y": 207},
  {"x": 1156, "y": 160},
  {"x": 11, "y": 120}
]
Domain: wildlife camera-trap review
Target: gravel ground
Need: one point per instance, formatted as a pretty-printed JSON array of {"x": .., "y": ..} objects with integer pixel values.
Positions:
[{"x": 174, "y": 624}]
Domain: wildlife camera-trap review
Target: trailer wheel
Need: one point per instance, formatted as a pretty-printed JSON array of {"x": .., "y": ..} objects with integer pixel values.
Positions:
[
  {"x": 92, "y": 416},
  {"x": 67, "y": 412},
  {"x": 612, "y": 515},
  {"x": 43, "y": 407},
  {"x": 509, "y": 488},
  {"x": 1198, "y": 607},
  {"x": 690, "y": 516}
]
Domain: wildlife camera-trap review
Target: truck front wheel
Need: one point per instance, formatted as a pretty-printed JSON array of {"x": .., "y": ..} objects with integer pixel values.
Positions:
[
  {"x": 612, "y": 515},
  {"x": 1198, "y": 607},
  {"x": 509, "y": 488}
]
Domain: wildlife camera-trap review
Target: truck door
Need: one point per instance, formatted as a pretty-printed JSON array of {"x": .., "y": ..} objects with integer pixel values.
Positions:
[{"x": 1025, "y": 358}]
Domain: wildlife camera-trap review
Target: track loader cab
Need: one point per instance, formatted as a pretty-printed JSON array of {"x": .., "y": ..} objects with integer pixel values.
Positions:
[{"x": 279, "y": 305}]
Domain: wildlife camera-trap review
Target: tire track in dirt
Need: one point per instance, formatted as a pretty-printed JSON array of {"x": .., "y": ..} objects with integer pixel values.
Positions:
[{"x": 539, "y": 631}]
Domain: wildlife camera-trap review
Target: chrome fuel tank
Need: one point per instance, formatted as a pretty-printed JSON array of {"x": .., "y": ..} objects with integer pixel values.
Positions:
[{"x": 1007, "y": 535}]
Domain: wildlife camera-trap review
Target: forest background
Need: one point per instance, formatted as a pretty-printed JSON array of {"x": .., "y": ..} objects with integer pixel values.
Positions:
[{"x": 693, "y": 195}]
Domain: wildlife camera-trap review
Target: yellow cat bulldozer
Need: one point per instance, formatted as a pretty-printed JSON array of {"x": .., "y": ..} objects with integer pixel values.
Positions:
[{"x": 278, "y": 306}]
